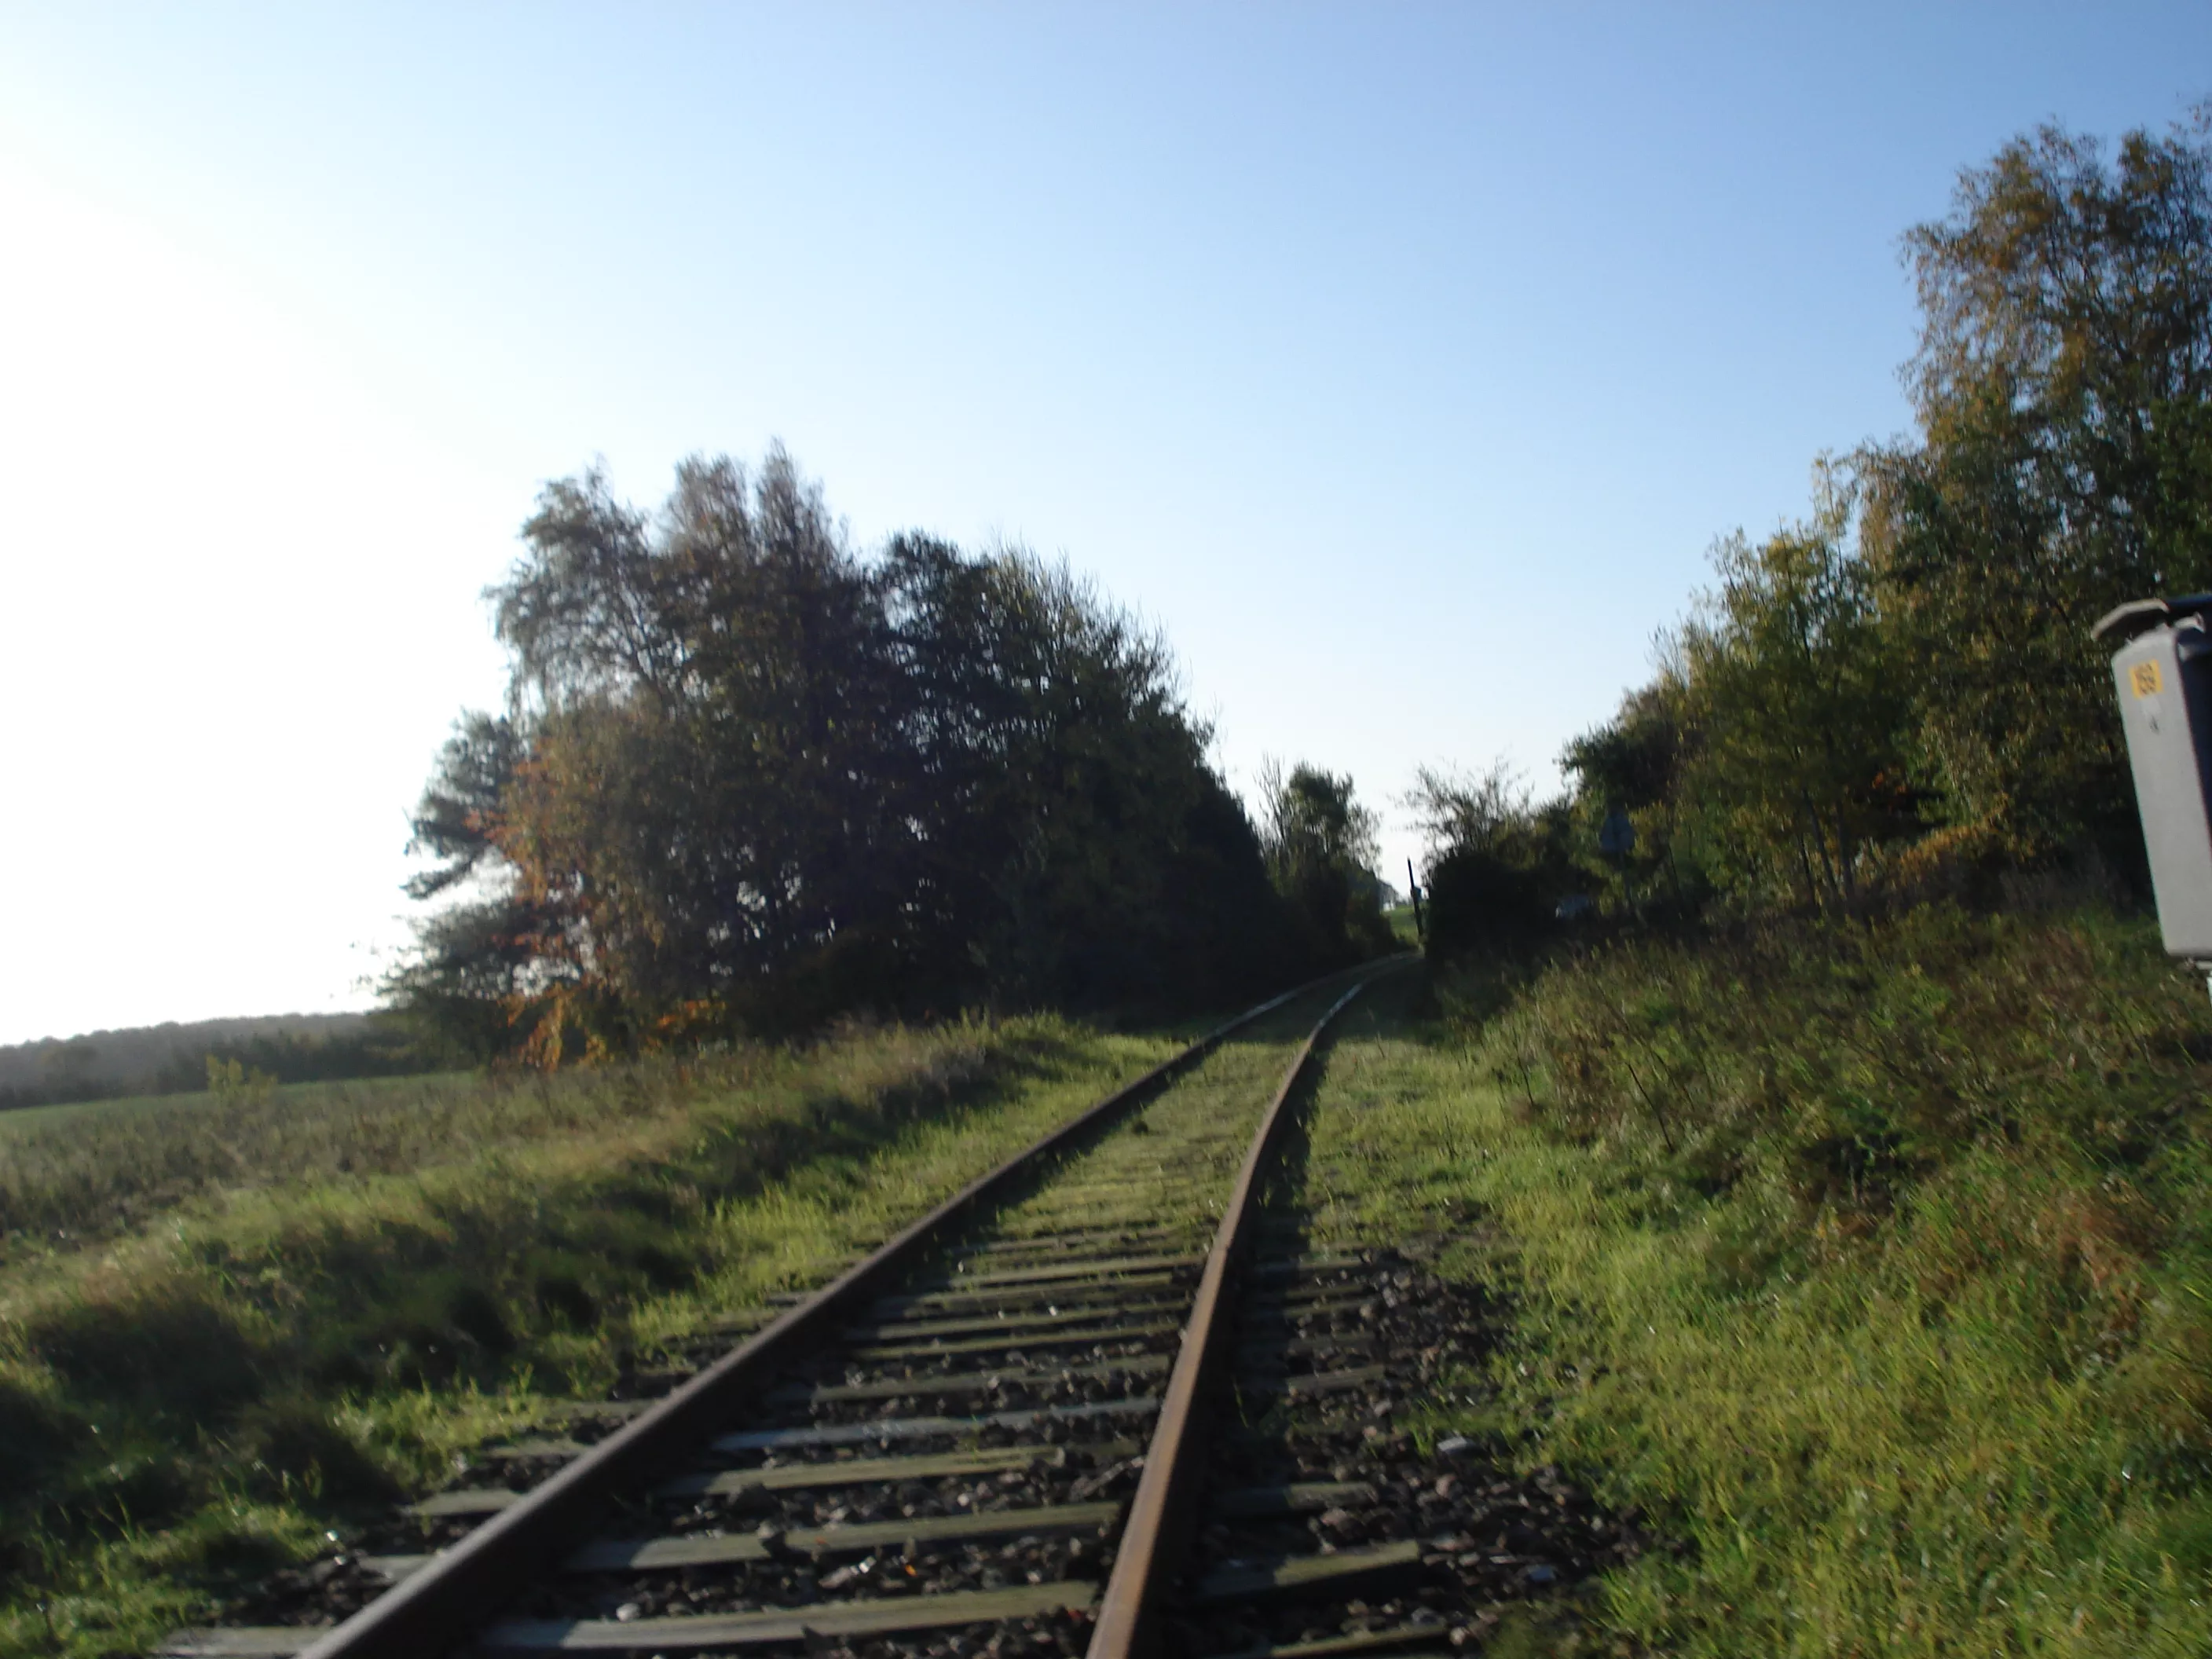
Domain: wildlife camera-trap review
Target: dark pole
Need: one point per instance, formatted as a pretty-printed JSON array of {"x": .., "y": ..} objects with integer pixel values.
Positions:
[{"x": 1420, "y": 922}]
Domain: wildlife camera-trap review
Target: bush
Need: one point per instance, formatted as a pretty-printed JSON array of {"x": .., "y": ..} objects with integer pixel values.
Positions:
[{"x": 1478, "y": 903}]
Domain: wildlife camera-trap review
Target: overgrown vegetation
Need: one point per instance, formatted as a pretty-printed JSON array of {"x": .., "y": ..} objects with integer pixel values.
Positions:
[{"x": 283, "y": 1310}]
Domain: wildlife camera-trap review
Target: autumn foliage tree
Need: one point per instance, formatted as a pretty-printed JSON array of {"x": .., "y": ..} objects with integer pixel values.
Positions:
[
  {"x": 1907, "y": 677},
  {"x": 747, "y": 778},
  {"x": 1794, "y": 695},
  {"x": 2061, "y": 385}
]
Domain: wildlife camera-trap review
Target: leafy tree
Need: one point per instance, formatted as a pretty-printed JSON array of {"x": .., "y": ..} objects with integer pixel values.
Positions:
[
  {"x": 1635, "y": 760},
  {"x": 1636, "y": 763},
  {"x": 2179, "y": 516},
  {"x": 1079, "y": 847},
  {"x": 747, "y": 777},
  {"x": 1916, "y": 654},
  {"x": 686, "y": 797},
  {"x": 2065, "y": 364},
  {"x": 1492, "y": 811},
  {"x": 1320, "y": 848},
  {"x": 1787, "y": 667}
]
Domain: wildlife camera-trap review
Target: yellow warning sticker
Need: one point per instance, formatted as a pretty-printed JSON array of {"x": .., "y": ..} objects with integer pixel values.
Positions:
[{"x": 2145, "y": 680}]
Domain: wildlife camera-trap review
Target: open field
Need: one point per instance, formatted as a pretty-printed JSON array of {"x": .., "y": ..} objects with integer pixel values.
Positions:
[
  {"x": 164, "y": 1058},
  {"x": 297, "y": 1098},
  {"x": 29, "y": 1120},
  {"x": 73, "y": 1174},
  {"x": 381, "y": 1274}
]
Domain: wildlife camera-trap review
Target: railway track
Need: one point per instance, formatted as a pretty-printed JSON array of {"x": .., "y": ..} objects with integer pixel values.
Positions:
[{"x": 1111, "y": 1398}]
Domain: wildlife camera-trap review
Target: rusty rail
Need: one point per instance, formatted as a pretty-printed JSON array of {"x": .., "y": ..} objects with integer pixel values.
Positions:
[
  {"x": 441, "y": 1605},
  {"x": 1165, "y": 1508}
]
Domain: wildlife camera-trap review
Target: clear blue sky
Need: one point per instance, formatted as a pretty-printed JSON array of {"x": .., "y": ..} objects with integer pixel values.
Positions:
[{"x": 1400, "y": 361}]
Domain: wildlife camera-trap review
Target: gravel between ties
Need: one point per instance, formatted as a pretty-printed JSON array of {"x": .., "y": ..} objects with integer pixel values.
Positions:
[{"x": 1492, "y": 1537}]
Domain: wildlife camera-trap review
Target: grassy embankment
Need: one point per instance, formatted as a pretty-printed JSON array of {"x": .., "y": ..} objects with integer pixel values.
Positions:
[
  {"x": 1873, "y": 1263},
  {"x": 227, "y": 1324}
]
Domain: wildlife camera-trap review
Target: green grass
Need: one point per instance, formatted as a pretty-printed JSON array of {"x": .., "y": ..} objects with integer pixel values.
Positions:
[
  {"x": 72, "y": 1115},
  {"x": 1874, "y": 1264},
  {"x": 292, "y": 1306},
  {"x": 72, "y": 1175},
  {"x": 1175, "y": 1163},
  {"x": 28, "y": 1119}
]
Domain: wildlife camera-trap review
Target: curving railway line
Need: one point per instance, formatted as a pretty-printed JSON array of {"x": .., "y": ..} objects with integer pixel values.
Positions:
[{"x": 1110, "y": 1398}]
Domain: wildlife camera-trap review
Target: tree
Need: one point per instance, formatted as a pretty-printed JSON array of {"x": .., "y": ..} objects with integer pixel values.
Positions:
[
  {"x": 2064, "y": 368},
  {"x": 1491, "y": 811},
  {"x": 1636, "y": 759},
  {"x": 1787, "y": 666},
  {"x": 1320, "y": 849},
  {"x": 746, "y": 778},
  {"x": 1917, "y": 653},
  {"x": 1077, "y": 845},
  {"x": 695, "y": 796},
  {"x": 1635, "y": 763}
]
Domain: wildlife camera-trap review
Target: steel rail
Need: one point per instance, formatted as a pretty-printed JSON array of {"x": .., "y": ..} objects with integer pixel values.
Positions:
[
  {"x": 1163, "y": 1513},
  {"x": 440, "y": 1606}
]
